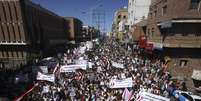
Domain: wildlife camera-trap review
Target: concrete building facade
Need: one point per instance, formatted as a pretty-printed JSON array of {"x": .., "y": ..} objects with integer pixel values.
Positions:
[
  {"x": 90, "y": 33},
  {"x": 122, "y": 25},
  {"x": 26, "y": 30},
  {"x": 74, "y": 29},
  {"x": 120, "y": 15},
  {"x": 137, "y": 10},
  {"x": 176, "y": 25},
  {"x": 139, "y": 30}
]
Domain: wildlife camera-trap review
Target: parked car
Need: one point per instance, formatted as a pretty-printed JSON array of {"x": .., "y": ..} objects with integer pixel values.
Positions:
[{"x": 189, "y": 95}]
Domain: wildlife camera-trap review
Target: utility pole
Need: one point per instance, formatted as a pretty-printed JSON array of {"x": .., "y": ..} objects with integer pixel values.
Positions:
[
  {"x": 91, "y": 29},
  {"x": 98, "y": 19}
]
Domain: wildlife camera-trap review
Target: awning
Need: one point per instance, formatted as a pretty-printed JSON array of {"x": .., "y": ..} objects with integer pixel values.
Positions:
[
  {"x": 186, "y": 21},
  {"x": 196, "y": 75},
  {"x": 168, "y": 24},
  {"x": 158, "y": 46}
]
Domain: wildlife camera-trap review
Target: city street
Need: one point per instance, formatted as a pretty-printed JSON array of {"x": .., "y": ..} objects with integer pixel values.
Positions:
[
  {"x": 105, "y": 72},
  {"x": 100, "y": 50}
]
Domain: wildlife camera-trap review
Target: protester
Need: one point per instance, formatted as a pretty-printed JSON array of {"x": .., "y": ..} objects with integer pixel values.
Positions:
[{"x": 93, "y": 84}]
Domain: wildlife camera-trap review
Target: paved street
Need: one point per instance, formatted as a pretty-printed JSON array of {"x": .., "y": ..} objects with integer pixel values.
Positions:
[
  {"x": 100, "y": 50},
  {"x": 106, "y": 76}
]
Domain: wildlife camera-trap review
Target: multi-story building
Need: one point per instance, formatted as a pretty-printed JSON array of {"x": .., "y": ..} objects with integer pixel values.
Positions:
[
  {"x": 120, "y": 15},
  {"x": 74, "y": 29},
  {"x": 139, "y": 30},
  {"x": 137, "y": 10},
  {"x": 90, "y": 33},
  {"x": 176, "y": 25},
  {"x": 27, "y": 29},
  {"x": 122, "y": 25}
]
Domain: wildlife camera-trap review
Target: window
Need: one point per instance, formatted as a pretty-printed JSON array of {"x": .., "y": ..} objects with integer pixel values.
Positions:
[
  {"x": 150, "y": 9},
  {"x": 1, "y": 65},
  {"x": 151, "y": 15},
  {"x": 124, "y": 17},
  {"x": 195, "y": 4},
  {"x": 19, "y": 54},
  {"x": 3, "y": 54},
  {"x": 148, "y": 31},
  {"x": 155, "y": 13},
  {"x": 183, "y": 63},
  {"x": 152, "y": 31},
  {"x": 131, "y": 14},
  {"x": 119, "y": 16},
  {"x": 4, "y": 11},
  {"x": 2, "y": 31},
  {"x": 15, "y": 8},
  {"x": 7, "y": 54},
  {"x": 164, "y": 10}
]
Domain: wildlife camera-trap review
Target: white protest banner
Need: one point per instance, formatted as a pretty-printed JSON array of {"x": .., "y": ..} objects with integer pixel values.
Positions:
[
  {"x": 82, "y": 50},
  {"x": 65, "y": 69},
  {"x": 89, "y": 45},
  {"x": 46, "y": 89},
  {"x": 124, "y": 83},
  {"x": 90, "y": 64},
  {"x": 44, "y": 69},
  {"x": 72, "y": 68},
  {"x": 158, "y": 45},
  {"x": 43, "y": 77},
  {"x": 81, "y": 62},
  {"x": 47, "y": 59},
  {"x": 145, "y": 96},
  {"x": 117, "y": 65}
]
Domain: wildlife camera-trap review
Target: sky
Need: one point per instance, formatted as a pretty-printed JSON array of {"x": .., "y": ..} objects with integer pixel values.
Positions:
[{"x": 82, "y": 9}]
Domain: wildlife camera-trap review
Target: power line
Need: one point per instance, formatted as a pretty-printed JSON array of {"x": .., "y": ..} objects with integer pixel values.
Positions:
[{"x": 98, "y": 19}]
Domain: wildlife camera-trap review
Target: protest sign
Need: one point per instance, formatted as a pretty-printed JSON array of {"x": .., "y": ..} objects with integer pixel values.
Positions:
[
  {"x": 90, "y": 64},
  {"x": 124, "y": 83},
  {"x": 145, "y": 96},
  {"x": 117, "y": 65},
  {"x": 43, "y": 77},
  {"x": 46, "y": 89},
  {"x": 81, "y": 62},
  {"x": 43, "y": 69},
  {"x": 89, "y": 45},
  {"x": 72, "y": 68}
]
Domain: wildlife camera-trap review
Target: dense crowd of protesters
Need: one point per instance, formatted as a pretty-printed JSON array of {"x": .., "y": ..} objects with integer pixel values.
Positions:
[{"x": 148, "y": 74}]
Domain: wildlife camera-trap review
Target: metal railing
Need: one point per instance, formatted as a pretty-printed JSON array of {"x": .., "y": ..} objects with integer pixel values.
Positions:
[{"x": 13, "y": 43}]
